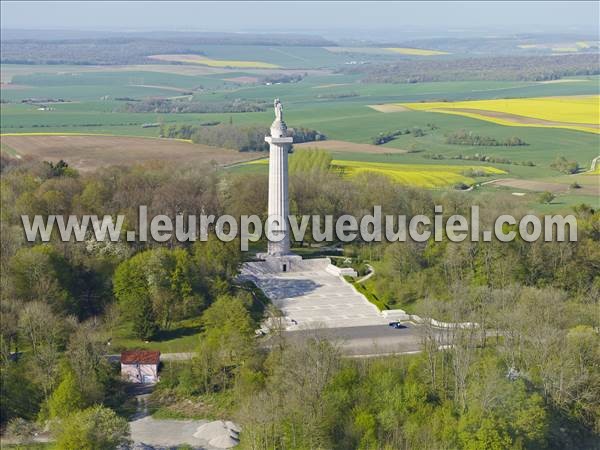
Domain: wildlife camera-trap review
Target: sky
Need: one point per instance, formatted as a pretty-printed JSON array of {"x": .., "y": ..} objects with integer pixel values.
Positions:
[{"x": 296, "y": 16}]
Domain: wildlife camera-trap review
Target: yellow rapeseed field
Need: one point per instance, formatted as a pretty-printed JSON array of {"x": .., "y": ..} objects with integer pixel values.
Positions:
[
  {"x": 421, "y": 175},
  {"x": 565, "y": 49},
  {"x": 232, "y": 63},
  {"x": 386, "y": 51},
  {"x": 198, "y": 59},
  {"x": 574, "y": 112},
  {"x": 415, "y": 51}
]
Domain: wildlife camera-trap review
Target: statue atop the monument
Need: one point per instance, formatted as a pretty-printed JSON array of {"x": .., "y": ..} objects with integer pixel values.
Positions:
[
  {"x": 278, "y": 127},
  {"x": 278, "y": 110}
]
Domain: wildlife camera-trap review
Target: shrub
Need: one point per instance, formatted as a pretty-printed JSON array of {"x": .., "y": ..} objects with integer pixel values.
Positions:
[
  {"x": 21, "y": 430},
  {"x": 547, "y": 197},
  {"x": 95, "y": 428},
  {"x": 461, "y": 186},
  {"x": 563, "y": 165}
]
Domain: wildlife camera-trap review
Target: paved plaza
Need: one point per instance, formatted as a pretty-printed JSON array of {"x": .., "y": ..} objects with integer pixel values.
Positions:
[{"x": 311, "y": 297}]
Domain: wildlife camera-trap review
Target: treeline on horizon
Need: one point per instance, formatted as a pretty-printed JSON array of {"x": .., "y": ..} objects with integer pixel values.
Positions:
[
  {"x": 501, "y": 45},
  {"x": 530, "y": 383},
  {"x": 505, "y": 68},
  {"x": 135, "y": 50}
]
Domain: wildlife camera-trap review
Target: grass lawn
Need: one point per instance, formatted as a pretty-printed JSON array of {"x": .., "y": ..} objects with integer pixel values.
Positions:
[
  {"x": 182, "y": 337},
  {"x": 530, "y": 201},
  {"x": 34, "y": 446},
  {"x": 563, "y": 203},
  {"x": 214, "y": 406},
  {"x": 363, "y": 288}
]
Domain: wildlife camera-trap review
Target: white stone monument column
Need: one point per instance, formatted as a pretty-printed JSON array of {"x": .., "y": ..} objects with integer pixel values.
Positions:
[{"x": 279, "y": 144}]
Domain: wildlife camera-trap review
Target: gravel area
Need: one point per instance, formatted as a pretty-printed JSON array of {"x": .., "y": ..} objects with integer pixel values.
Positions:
[{"x": 200, "y": 434}]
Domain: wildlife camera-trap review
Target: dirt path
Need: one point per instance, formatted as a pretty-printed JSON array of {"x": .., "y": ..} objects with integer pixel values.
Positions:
[{"x": 389, "y": 108}]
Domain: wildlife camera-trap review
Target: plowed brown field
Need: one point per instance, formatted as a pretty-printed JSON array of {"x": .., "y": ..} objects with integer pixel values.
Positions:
[{"x": 91, "y": 152}]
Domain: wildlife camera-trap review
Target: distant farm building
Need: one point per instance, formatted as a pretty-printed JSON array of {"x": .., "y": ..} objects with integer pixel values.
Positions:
[{"x": 140, "y": 366}]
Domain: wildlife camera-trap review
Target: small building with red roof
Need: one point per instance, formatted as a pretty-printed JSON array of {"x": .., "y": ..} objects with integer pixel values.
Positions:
[{"x": 140, "y": 366}]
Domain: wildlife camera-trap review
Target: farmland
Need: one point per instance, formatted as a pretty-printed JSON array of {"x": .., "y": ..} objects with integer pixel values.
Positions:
[
  {"x": 416, "y": 51},
  {"x": 348, "y": 110},
  {"x": 197, "y": 59},
  {"x": 349, "y": 147},
  {"x": 583, "y": 188},
  {"x": 421, "y": 175},
  {"x": 386, "y": 51},
  {"x": 577, "y": 113},
  {"x": 89, "y": 152}
]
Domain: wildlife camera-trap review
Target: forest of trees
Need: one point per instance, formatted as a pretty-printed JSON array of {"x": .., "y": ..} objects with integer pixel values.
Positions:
[
  {"x": 244, "y": 138},
  {"x": 530, "y": 381},
  {"x": 479, "y": 157},
  {"x": 156, "y": 287},
  {"x": 165, "y": 106},
  {"x": 507, "y": 68},
  {"x": 20, "y": 47}
]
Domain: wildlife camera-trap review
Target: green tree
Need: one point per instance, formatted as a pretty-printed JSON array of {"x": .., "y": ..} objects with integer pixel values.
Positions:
[
  {"x": 131, "y": 290},
  {"x": 227, "y": 343},
  {"x": 67, "y": 398},
  {"x": 45, "y": 333},
  {"x": 215, "y": 259},
  {"x": 19, "y": 396},
  {"x": 95, "y": 428},
  {"x": 86, "y": 356},
  {"x": 487, "y": 433},
  {"x": 366, "y": 424},
  {"x": 40, "y": 272},
  {"x": 144, "y": 322},
  {"x": 156, "y": 287}
]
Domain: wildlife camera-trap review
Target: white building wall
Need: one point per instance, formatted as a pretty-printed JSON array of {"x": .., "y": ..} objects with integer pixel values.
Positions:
[{"x": 140, "y": 373}]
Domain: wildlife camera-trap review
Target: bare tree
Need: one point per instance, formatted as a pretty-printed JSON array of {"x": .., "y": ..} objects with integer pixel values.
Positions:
[{"x": 45, "y": 333}]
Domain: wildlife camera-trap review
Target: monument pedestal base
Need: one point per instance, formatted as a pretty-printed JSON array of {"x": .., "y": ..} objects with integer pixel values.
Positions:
[{"x": 283, "y": 263}]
